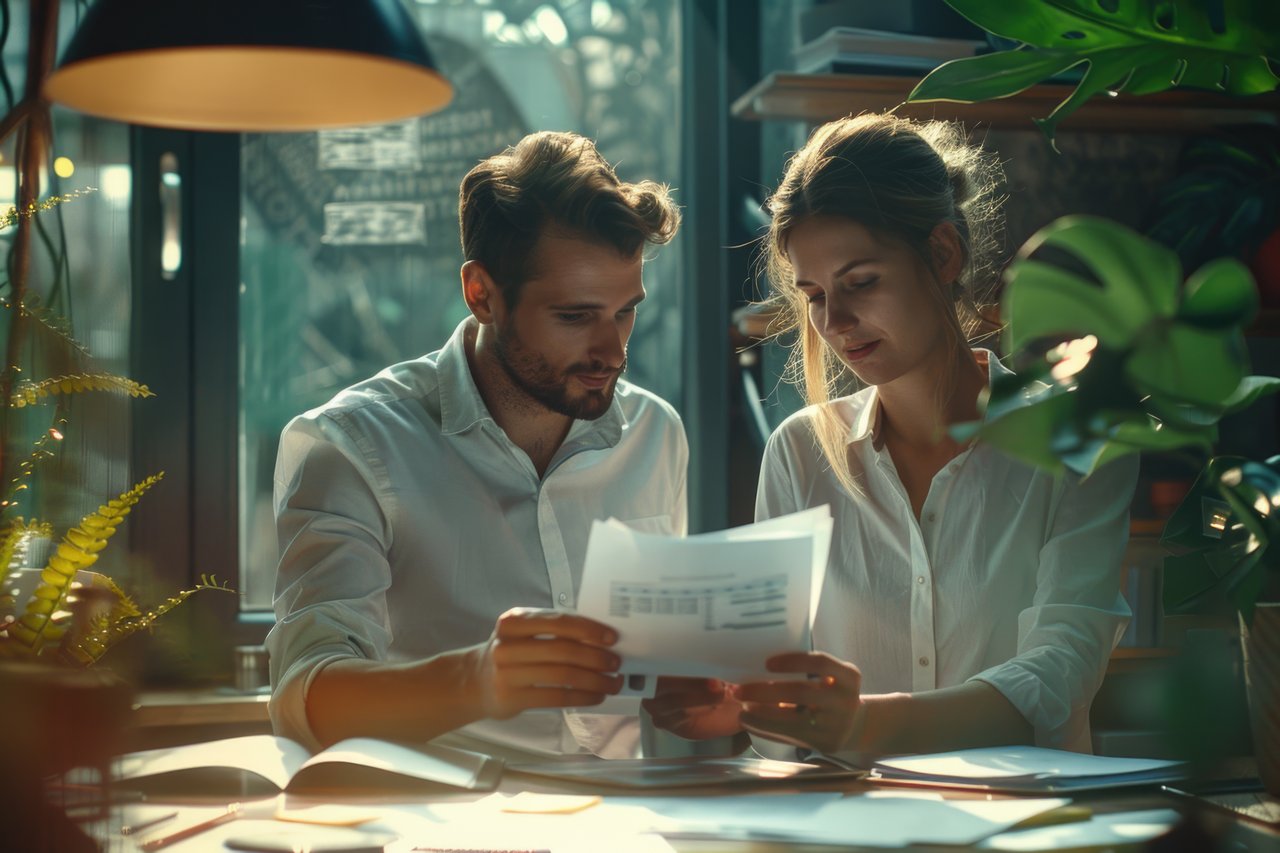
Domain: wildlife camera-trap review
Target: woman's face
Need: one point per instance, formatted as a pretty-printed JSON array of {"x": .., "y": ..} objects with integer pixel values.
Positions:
[{"x": 868, "y": 298}]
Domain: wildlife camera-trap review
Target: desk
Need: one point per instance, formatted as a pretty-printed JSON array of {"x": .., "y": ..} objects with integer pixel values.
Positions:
[{"x": 1238, "y": 834}]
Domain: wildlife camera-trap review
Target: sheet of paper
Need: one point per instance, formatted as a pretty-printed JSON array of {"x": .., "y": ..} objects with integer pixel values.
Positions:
[
  {"x": 1101, "y": 832},
  {"x": 714, "y": 605},
  {"x": 1029, "y": 761}
]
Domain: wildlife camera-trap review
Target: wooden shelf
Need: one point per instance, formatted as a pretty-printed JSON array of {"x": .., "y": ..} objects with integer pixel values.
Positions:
[{"x": 821, "y": 97}]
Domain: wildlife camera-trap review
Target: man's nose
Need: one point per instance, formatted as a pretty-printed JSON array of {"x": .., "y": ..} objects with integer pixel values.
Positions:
[{"x": 609, "y": 345}]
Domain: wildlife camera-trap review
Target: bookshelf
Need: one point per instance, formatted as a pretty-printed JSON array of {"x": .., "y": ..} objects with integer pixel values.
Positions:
[{"x": 821, "y": 97}]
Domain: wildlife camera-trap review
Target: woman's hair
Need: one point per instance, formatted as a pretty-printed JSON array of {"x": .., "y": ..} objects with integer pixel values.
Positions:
[
  {"x": 899, "y": 179},
  {"x": 554, "y": 181}
]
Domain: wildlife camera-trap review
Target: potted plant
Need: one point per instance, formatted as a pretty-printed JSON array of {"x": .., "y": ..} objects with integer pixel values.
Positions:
[
  {"x": 1148, "y": 361},
  {"x": 58, "y": 711}
]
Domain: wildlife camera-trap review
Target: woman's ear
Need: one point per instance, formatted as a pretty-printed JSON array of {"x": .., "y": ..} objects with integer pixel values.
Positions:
[
  {"x": 481, "y": 292},
  {"x": 948, "y": 253}
]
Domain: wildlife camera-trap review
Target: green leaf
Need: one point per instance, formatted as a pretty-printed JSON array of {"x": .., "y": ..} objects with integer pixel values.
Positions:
[
  {"x": 992, "y": 75},
  {"x": 1191, "y": 365},
  {"x": 1219, "y": 295},
  {"x": 1250, "y": 389},
  {"x": 1189, "y": 580},
  {"x": 1140, "y": 280},
  {"x": 1146, "y": 45},
  {"x": 1027, "y": 433},
  {"x": 1042, "y": 300}
]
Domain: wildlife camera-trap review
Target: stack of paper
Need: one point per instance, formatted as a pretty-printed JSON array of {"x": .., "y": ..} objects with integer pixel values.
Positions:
[
  {"x": 1022, "y": 769},
  {"x": 715, "y": 605}
]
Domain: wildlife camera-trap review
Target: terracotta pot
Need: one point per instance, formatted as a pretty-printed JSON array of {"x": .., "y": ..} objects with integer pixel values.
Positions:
[{"x": 1260, "y": 643}]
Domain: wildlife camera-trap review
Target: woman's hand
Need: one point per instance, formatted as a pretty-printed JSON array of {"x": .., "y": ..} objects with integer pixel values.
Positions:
[
  {"x": 824, "y": 712},
  {"x": 695, "y": 708},
  {"x": 543, "y": 659}
]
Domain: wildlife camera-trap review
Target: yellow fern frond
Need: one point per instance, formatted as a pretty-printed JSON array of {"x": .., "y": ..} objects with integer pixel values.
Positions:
[
  {"x": 13, "y": 216},
  {"x": 89, "y": 648},
  {"x": 40, "y": 452},
  {"x": 14, "y": 539},
  {"x": 28, "y": 393},
  {"x": 47, "y": 322},
  {"x": 79, "y": 548}
]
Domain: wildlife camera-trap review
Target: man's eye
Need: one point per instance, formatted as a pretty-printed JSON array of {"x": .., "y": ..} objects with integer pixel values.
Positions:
[
  {"x": 571, "y": 316},
  {"x": 627, "y": 312}
]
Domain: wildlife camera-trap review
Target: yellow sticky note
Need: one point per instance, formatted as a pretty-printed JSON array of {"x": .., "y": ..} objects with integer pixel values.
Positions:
[
  {"x": 528, "y": 802},
  {"x": 328, "y": 815}
]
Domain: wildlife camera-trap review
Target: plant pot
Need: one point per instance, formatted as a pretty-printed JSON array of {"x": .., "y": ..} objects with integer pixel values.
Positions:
[{"x": 1260, "y": 644}]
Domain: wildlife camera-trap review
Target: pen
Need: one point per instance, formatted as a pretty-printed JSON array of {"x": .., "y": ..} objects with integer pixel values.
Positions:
[
  {"x": 1062, "y": 814},
  {"x": 232, "y": 812},
  {"x": 135, "y": 828}
]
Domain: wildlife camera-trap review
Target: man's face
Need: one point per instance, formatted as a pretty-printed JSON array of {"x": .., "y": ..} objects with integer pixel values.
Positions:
[{"x": 565, "y": 344}]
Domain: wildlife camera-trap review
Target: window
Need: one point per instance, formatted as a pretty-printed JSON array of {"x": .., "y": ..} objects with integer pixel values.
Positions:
[{"x": 349, "y": 249}]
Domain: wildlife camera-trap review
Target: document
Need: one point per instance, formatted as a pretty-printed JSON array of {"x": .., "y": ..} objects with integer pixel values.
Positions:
[
  {"x": 714, "y": 605},
  {"x": 1024, "y": 769},
  {"x": 284, "y": 764}
]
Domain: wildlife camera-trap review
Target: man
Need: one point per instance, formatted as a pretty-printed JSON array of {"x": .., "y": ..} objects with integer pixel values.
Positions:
[{"x": 416, "y": 509}]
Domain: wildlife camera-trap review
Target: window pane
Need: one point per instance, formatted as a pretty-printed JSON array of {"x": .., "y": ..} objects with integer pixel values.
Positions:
[
  {"x": 350, "y": 250},
  {"x": 76, "y": 319}
]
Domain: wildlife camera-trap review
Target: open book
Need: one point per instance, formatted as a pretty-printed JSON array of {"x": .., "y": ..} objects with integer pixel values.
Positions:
[
  {"x": 1024, "y": 769},
  {"x": 279, "y": 763}
]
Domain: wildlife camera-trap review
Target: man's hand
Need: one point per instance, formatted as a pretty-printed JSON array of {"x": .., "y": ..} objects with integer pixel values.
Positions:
[
  {"x": 824, "y": 712},
  {"x": 695, "y": 708},
  {"x": 543, "y": 659}
]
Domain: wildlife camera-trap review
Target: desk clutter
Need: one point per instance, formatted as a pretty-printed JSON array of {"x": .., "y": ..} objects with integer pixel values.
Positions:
[{"x": 360, "y": 802}]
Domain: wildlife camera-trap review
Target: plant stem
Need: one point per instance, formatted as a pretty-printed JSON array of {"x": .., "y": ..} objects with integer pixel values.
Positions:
[{"x": 32, "y": 116}]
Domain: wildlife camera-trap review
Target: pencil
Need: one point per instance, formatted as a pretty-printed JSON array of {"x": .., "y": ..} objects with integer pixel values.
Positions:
[
  {"x": 232, "y": 812},
  {"x": 135, "y": 828}
]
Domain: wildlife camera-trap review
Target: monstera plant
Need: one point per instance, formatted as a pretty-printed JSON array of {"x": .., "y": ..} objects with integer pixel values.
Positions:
[
  {"x": 1133, "y": 46},
  {"x": 1145, "y": 360}
]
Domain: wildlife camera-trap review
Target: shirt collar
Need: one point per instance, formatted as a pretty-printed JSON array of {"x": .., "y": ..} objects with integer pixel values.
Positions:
[
  {"x": 867, "y": 422},
  {"x": 462, "y": 407}
]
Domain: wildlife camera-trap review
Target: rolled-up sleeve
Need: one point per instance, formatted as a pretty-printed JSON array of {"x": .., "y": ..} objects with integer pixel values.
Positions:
[
  {"x": 332, "y": 520},
  {"x": 1077, "y": 616}
]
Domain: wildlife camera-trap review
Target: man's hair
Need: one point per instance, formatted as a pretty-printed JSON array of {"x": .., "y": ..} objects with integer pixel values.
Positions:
[{"x": 554, "y": 182}]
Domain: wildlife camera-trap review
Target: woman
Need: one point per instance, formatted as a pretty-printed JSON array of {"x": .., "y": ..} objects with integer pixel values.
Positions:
[{"x": 970, "y": 599}]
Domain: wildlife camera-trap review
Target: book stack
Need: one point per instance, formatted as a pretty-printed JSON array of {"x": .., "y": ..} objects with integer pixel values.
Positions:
[{"x": 852, "y": 50}]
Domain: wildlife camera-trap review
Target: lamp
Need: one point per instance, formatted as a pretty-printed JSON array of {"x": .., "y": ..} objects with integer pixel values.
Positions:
[{"x": 248, "y": 65}]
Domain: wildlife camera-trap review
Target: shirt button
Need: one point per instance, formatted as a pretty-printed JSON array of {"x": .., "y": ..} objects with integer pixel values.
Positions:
[
  {"x": 563, "y": 598},
  {"x": 930, "y": 518},
  {"x": 920, "y": 579},
  {"x": 924, "y": 661}
]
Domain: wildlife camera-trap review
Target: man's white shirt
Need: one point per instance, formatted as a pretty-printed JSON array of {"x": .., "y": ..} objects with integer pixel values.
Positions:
[{"x": 408, "y": 522}]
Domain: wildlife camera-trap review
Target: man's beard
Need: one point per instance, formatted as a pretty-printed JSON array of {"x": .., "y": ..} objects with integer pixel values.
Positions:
[{"x": 531, "y": 374}]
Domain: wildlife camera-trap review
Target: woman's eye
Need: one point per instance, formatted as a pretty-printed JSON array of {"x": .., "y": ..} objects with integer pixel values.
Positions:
[
  {"x": 861, "y": 283},
  {"x": 815, "y": 298}
]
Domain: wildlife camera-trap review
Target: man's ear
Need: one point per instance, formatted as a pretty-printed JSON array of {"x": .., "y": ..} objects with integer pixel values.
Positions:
[
  {"x": 481, "y": 292},
  {"x": 948, "y": 254}
]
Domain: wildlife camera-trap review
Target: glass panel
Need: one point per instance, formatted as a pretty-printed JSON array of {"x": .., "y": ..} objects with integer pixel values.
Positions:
[
  {"x": 77, "y": 315},
  {"x": 350, "y": 249}
]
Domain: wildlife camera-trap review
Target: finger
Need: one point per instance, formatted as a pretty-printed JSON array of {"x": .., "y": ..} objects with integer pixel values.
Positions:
[
  {"x": 805, "y": 693},
  {"x": 524, "y": 622},
  {"x": 557, "y": 697},
  {"x": 831, "y": 670},
  {"x": 791, "y": 732},
  {"x": 523, "y": 651},
  {"x": 558, "y": 675},
  {"x": 681, "y": 702}
]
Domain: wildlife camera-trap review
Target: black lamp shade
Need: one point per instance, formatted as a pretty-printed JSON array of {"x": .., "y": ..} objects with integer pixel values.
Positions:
[{"x": 248, "y": 65}]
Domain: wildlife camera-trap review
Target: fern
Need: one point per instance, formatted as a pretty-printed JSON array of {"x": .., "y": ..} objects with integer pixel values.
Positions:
[
  {"x": 110, "y": 629},
  {"x": 13, "y": 216},
  {"x": 28, "y": 393},
  {"x": 14, "y": 541},
  {"x": 47, "y": 321},
  {"x": 39, "y": 453},
  {"x": 36, "y": 628}
]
